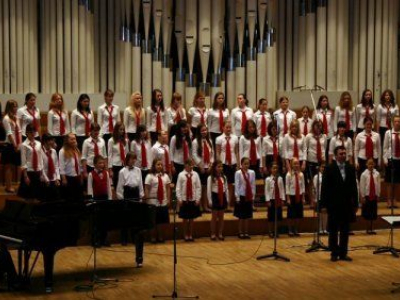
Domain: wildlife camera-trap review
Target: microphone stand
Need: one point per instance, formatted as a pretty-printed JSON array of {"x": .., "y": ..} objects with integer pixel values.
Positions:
[
  {"x": 391, "y": 249},
  {"x": 174, "y": 294}
]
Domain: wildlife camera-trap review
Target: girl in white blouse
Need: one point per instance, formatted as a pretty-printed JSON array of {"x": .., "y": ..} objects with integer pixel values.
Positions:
[
  {"x": 340, "y": 139},
  {"x": 141, "y": 146},
  {"x": 317, "y": 184},
  {"x": 108, "y": 115},
  {"x": 197, "y": 114},
  {"x": 58, "y": 124},
  {"x": 217, "y": 116},
  {"x": 365, "y": 108},
  {"x": 284, "y": 116},
  {"x": 134, "y": 115},
  {"x": 218, "y": 195},
  {"x": 325, "y": 114},
  {"x": 305, "y": 121},
  {"x": 92, "y": 146},
  {"x": 161, "y": 151},
  {"x": 203, "y": 156},
  {"x": 175, "y": 113},
  {"x": 345, "y": 112},
  {"x": 240, "y": 115},
  {"x": 386, "y": 110},
  {"x": 29, "y": 114},
  {"x": 31, "y": 165},
  {"x": 250, "y": 147},
  {"x": 180, "y": 148},
  {"x": 118, "y": 147},
  {"x": 51, "y": 171},
  {"x": 81, "y": 119},
  {"x": 11, "y": 155},
  {"x": 293, "y": 145},
  {"x": 262, "y": 117},
  {"x": 156, "y": 116},
  {"x": 271, "y": 149},
  {"x": 158, "y": 193}
]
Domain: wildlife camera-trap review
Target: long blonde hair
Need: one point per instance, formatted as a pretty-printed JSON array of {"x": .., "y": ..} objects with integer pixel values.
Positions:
[
  {"x": 132, "y": 106},
  {"x": 69, "y": 151},
  {"x": 52, "y": 104}
]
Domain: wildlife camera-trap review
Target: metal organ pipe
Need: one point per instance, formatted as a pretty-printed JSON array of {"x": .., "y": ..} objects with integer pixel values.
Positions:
[
  {"x": 180, "y": 45},
  {"x": 191, "y": 41},
  {"x": 251, "y": 65}
]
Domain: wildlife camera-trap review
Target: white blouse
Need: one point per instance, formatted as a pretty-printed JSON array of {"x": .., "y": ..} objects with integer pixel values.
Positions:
[
  {"x": 130, "y": 121},
  {"x": 270, "y": 188},
  {"x": 361, "y": 113},
  {"x": 196, "y": 114},
  {"x": 258, "y": 116},
  {"x": 27, "y": 156},
  {"x": 54, "y": 158},
  {"x": 88, "y": 153},
  {"x": 311, "y": 147},
  {"x": 222, "y": 141},
  {"x": 12, "y": 129},
  {"x": 244, "y": 147},
  {"x": 54, "y": 124},
  {"x": 151, "y": 119},
  {"x": 319, "y": 115},
  {"x": 340, "y": 115},
  {"x": 267, "y": 146},
  {"x": 78, "y": 122},
  {"x": 337, "y": 141},
  {"x": 181, "y": 192},
  {"x": 279, "y": 116},
  {"x": 104, "y": 113},
  {"x": 199, "y": 160},
  {"x": 132, "y": 178},
  {"x": 177, "y": 155},
  {"x": 114, "y": 153},
  {"x": 240, "y": 184},
  {"x": 288, "y": 147},
  {"x": 67, "y": 165},
  {"x": 365, "y": 183},
  {"x": 212, "y": 187},
  {"x": 291, "y": 183},
  {"x": 236, "y": 117},
  {"x": 172, "y": 115},
  {"x": 389, "y": 142},
  {"x": 214, "y": 117},
  {"x": 302, "y": 123},
  {"x": 159, "y": 151},
  {"x": 384, "y": 115},
  {"x": 25, "y": 118},
  {"x": 136, "y": 147},
  {"x": 359, "y": 146},
  {"x": 152, "y": 181}
]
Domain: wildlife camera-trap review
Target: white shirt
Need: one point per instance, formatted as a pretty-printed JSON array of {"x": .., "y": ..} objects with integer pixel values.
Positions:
[
  {"x": 136, "y": 147},
  {"x": 78, "y": 122},
  {"x": 151, "y": 119},
  {"x": 88, "y": 150},
  {"x": 132, "y": 178},
  {"x": 53, "y": 123},
  {"x": 311, "y": 147},
  {"x": 212, "y": 187},
  {"x": 340, "y": 115},
  {"x": 158, "y": 152},
  {"x": 213, "y": 119},
  {"x": 26, "y": 118},
  {"x": 387, "y": 146},
  {"x": 382, "y": 114},
  {"x": 347, "y": 143},
  {"x": 288, "y": 147},
  {"x": 199, "y": 160},
  {"x": 291, "y": 184},
  {"x": 195, "y": 112},
  {"x": 279, "y": 116},
  {"x": 365, "y": 183},
  {"x": 233, "y": 142},
  {"x": 130, "y": 119},
  {"x": 359, "y": 146},
  {"x": 236, "y": 118},
  {"x": 54, "y": 158},
  {"x": 257, "y": 117},
  {"x": 361, "y": 113},
  {"x": 302, "y": 123},
  {"x": 103, "y": 117},
  {"x": 114, "y": 153},
  {"x": 172, "y": 115},
  {"x": 319, "y": 115},
  {"x": 240, "y": 184},
  {"x": 152, "y": 181},
  {"x": 317, "y": 188},
  {"x": 181, "y": 186},
  {"x": 67, "y": 165},
  {"x": 177, "y": 154},
  {"x": 27, "y": 155},
  {"x": 10, "y": 127},
  {"x": 270, "y": 188},
  {"x": 267, "y": 146},
  {"x": 90, "y": 184},
  {"x": 244, "y": 147}
]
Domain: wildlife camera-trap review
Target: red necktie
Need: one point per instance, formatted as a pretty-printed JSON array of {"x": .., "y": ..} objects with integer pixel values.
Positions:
[
  {"x": 277, "y": 194},
  {"x": 62, "y": 124},
  {"x": 35, "y": 159},
  {"x": 325, "y": 123},
  {"x": 367, "y": 112},
  {"x": 369, "y": 147},
  {"x": 137, "y": 118},
  {"x": 144, "y": 156},
  {"x": 76, "y": 164},
  {"x": 51, "y": 170},
  {"x": 244, "y": 120},
  {"x": 305, "y": 130},
  {"x": 189, "y": 187},
  {"x": 202, "y": 120},
  {"x": 34, "y": 121},
  {"x": 17, "y": 135},
  {"x": 110, "y": 120},
  {"x": 228, "y": 153},
  {"x": 96, "y": 148},
  {"x": 295, "y": 147},
  {"x": 263, "y": 125},
  {"x": 347, "y": 120},
  {"x": 274, "y": 150},
  {"x": 206, "y": 153},
  {"x": 372, "y": 192},
  {"x": 185, "y": 151},
  {"x": 249, "y": 191},
  {"x": 396, "y": 145},
  {"x": 220, "y": 191},
  {"x": 166, "y": 160},
  {"x": 158, "y": 121},
  {"x": 87, "y": 123},
  {"x": 160, "y": 190},
  {"x": 177, "y": 117},
  {"x": 221, "y": 120},
  {"x": 253, "y": 152},
  {"x": 297, "y": 187},
  {"x": 319, "y": 150},
  {"x": 285, "y": 127},
  {"x": 388, "y": 123},
  {"x": 122, "y": 152}
]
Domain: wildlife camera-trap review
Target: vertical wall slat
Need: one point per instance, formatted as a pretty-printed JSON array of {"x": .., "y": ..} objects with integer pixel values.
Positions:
[
  {"x": 102, "y": 44},
  {"x": 34, "y": 42},
  {"x": 20, "y": 45},
  {"x": 60, "y": 51},
  {"x": 362, "y": 78},
  {"x": 110, "y": 46},
  {"x": 295, "y": 32},
  {"x": 356, "y": 46},
  {"x": 67, "y": 47},
  {"x": 378, "y": 50},
  {"x": 310, "y": 49},
  {"x": 281, "y": 44},
  {"x": 96, "y": 21},
  {"x": 4, "y": 48},
  {"x": 331, "y": 46},
  {"x": 26, "y": 50},
  {"x": 13, "y": 47},
  {"x": 53, "y": 46},
  {"x": 75, "y": 46},
  {"x": 82, "y": 76},
  {"x": 289, "y": 45},
  {"x": 385, "y": 42},
  {"x": 370, "y": 43},
  {"x": 321, "y": 47}
]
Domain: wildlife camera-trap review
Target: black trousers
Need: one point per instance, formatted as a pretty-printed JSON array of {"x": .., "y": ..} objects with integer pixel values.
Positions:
[
  {"x": 138, "y": 239},
  {"x": 334, "y": 226}
]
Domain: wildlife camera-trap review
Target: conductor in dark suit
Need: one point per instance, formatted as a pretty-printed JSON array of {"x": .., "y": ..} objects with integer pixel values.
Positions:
[{"x": 339, "y": 195}]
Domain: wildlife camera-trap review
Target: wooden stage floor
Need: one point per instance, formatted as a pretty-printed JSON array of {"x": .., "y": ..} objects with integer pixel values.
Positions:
[{"x": 227, "y": 270}]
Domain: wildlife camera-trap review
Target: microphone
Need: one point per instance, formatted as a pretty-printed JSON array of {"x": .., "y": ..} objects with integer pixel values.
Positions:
[
  {"x": 318, "y": 87},
  {"x": 299, "y": 87}
]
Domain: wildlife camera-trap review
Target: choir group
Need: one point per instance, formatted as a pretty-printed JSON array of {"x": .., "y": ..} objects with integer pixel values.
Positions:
[{"x": 211, "y": 156}]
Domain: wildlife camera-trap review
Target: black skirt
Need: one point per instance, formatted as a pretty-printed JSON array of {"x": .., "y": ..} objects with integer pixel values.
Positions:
[
  {"x": 271, "y": 212},
  {"x": 178, "y": 168},
  {"x": 216, "y": 205},
  {"x": 153, "y": 137},
  {"x": 214, "y": 136},
  {"x": 369, "y": 210},
  {"x": 9, "y": 156},
  {"x": 203, "y": 176},
  {"x": 162, "y": 215},
  {"x": 80, "y": 140},
  {"x": 106, "y": 137},
  {"x": 189, "y": 210},
  {"x": 295, "y": 209},
  {"x": 256, "y": 169},
  {"x": 73, "y": 191},
  {"x": 131, "y": 193},
  {"x": 396, "y": 171},
  {"x": 229, "y": 172},
  {"x": 382, "y": 132},
  {"x": 243, "y": 209},
  {"x": 31, "y": 191}
]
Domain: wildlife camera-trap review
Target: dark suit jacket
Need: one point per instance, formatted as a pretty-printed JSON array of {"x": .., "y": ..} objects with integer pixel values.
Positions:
[{"x": 338, "y": 196}]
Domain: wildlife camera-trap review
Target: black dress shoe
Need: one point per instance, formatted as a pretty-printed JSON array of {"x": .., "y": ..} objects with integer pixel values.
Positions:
[
  {"x": 346, "y": 258},
  {"x": 334, "y": 258}
]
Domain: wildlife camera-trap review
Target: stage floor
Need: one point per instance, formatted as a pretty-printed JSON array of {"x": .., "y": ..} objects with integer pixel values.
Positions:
[{"x": 227, "y": 270}]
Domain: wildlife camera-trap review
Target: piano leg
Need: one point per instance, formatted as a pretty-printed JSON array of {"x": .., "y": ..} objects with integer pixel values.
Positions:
[{"x": 48, "y": 260}]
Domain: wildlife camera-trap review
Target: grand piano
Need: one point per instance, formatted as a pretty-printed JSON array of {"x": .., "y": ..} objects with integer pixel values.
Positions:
[{"x": 46, "y": 227}]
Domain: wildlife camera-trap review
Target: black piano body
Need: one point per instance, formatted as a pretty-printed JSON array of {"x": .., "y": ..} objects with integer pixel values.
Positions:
[{"x": 47, "y": 227}]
